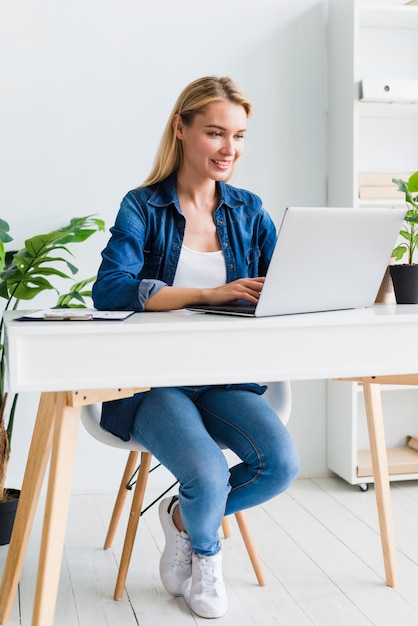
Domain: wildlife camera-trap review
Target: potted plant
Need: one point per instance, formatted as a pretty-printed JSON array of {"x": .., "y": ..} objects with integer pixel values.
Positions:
[
  {"x": 405, "y": 275},
  {"x": 24, "y": 274}
]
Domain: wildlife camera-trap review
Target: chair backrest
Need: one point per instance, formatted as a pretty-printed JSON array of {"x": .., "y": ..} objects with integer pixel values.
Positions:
[
  {"x": 278, "y": 395},
  {"x": 90, "y": 418}
]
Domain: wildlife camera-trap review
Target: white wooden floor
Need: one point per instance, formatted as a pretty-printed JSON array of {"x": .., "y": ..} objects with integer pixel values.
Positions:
[{"x": 318, "y": 543}]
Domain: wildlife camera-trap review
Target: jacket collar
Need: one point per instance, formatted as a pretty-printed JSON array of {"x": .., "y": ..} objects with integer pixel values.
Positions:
[{"x": 165, "y": 193}]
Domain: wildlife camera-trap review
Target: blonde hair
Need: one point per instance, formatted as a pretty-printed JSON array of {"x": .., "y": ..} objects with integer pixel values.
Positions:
[{"x": 192, "y": 100}]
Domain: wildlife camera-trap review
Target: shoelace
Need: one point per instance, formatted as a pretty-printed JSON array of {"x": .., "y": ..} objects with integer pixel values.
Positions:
[
  {"x": 209, "y": 580},
  {"x": 183, "y": 555}
]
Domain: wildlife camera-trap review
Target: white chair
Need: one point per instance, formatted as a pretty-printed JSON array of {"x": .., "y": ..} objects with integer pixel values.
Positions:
[{"x": 279, "y": 397}]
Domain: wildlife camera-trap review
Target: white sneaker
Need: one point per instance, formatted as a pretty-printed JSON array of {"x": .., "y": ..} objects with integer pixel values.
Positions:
[
  {"x": 208, "y": 593},
  {"x": 176, "y": 559}
]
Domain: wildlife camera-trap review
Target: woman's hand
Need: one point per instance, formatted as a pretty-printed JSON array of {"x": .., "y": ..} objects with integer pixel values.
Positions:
[
  {"x": 248, "y": 289},
  {"x": 170, "y": 298}
]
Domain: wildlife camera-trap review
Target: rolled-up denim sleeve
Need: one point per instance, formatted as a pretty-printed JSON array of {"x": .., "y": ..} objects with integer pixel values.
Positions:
[{"x": 147, "y": 288}]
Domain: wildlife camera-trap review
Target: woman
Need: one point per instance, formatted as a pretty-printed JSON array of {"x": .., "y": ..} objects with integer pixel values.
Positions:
[{"x": 186, "y": 237}]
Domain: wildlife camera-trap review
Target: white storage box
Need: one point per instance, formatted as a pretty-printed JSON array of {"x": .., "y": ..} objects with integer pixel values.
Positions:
[{"x": 379, "y": 90}]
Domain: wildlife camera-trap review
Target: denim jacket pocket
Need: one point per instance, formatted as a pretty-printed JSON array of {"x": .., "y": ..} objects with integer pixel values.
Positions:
[
  {"x": 152, "y": 263},
  {"x": 252, "y": 258}
]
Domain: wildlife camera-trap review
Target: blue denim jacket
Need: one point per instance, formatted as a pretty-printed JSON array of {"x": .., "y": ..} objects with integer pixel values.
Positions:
[
  {"x": 144, "y": 249},
  {"x": 142, "y": 255}
]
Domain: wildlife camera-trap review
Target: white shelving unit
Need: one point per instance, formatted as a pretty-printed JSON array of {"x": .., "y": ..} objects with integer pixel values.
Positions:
[
  {"x": 369, "y": 41},
  {"x": 347, "y": 436}
]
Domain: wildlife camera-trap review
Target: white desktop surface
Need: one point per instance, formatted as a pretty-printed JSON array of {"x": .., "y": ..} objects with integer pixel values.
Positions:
[
  {"x": 77, "y": 363},
  {"x": 181, "y": 347}
]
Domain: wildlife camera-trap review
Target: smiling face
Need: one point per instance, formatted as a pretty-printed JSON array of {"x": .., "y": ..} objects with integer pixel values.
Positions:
[{"x": 214, "y": 141}]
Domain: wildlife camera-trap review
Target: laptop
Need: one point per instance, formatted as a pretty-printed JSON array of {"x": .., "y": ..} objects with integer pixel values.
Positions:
[{"x": 325, "y": 259}]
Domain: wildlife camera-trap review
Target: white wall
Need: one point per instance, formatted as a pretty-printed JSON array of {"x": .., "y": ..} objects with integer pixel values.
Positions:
[{"x": 86, "y": 89}]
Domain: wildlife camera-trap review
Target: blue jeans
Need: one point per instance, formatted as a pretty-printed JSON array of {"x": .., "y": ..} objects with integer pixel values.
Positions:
[{"x": 180, "y": 427}]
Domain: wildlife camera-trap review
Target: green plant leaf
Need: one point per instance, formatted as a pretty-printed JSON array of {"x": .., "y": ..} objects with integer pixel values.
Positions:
[
  {"x": 78, "y": 293},
  {"x": 40, "y": 245},
  {"x": 4, "y": 225},
  {"x": 4, "y": 292},
  {"x": 4, "y": 238},
  {"x": 399, "y": 251},
  {"x": 24, "y": 277},
  {"x": 4, "y": 232},
  {"x": 80, "y": 228},
  {"x": 26, "y": 263},
  {"x": 29, "y": 287},
  {"x": 413, "y": 182},
  {"x": 402, "y": 184}
]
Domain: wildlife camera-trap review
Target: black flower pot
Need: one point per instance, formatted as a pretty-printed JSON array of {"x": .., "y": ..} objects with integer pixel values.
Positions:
[
  {"x": 8, "y": 509},
  {"x": 405, "y": 283}
]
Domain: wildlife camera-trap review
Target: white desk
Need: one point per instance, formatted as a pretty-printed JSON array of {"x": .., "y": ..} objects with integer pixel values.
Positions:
[{"x": 64, "y": 359}]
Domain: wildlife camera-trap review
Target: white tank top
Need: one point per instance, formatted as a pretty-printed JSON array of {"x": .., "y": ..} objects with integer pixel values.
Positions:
[{"x": 200, "y": 269}]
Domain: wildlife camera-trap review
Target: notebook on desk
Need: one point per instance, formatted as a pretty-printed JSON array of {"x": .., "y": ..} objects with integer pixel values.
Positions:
[{"x": 325, "y": 259}]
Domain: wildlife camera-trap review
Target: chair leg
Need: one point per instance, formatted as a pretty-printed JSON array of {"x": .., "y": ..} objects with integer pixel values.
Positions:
[
  {"x": 225, "y": 528},
  {"x": 249, "y": 544},
  {"x": 134, "y": 516},
  {"x": 136, "y": 508},
  {"x": 121, "y": 498}
]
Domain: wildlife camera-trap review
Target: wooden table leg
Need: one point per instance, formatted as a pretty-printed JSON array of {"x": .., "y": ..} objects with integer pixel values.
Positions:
[
  {"x": 56, "y": 509},
  {"x": 373, "y": 403},
  {"x": 34, "y": 475}
]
